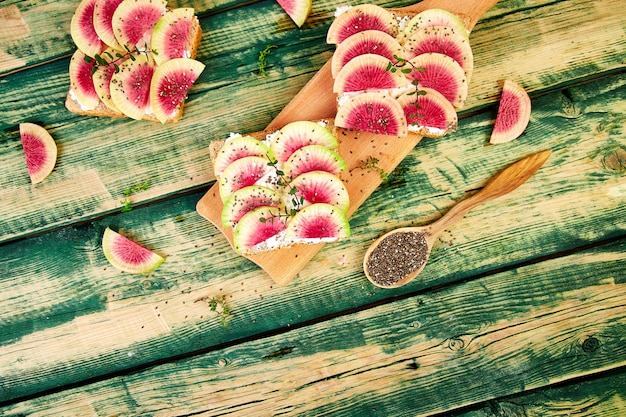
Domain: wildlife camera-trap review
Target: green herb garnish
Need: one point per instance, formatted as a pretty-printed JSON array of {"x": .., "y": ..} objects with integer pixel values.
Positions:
[
  {"x": 284, "y": 181},
  {"x": 372, "y": 163},
  {"x": 262, "y": 60},
  {"x": 125, "y": 202},
  {"x": 406, "y": 67},
  {"x": 108, "y": 58},
  {"x": 218, "y": 305}
]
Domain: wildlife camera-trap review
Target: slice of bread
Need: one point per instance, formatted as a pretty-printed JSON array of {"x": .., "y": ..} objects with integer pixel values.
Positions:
[{"x": 73, "y": 105}]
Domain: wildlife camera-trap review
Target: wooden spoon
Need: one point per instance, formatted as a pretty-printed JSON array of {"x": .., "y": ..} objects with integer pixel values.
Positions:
[{"x": 398, "y": 256}]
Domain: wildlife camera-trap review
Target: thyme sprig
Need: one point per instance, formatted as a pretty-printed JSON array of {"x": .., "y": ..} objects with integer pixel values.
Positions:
[
  {"x": 406, "y": 67},
  {"x": 285, "y": 181},
  {"x": 371, "y": 163},
  {"x": 262, "y": 60},
  {"x": 107, "y": 58},
  {"x": 218, "y": 305}
]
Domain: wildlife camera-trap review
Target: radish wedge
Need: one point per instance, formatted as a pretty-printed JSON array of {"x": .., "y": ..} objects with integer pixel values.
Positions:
[
  {"x": 128, "y": 256},
  {"x": 40, "y": 151},
  {"x": 513, "y": 113},
  {"x": 297, "y": 10}
]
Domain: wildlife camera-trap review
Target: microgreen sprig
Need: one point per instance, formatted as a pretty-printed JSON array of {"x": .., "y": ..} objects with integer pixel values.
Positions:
[
  {"x": 406, "y": 67},
  {"x": 125, "y": 202}
]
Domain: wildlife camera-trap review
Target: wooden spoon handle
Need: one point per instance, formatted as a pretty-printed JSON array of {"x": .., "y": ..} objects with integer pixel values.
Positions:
[{"x": 502, "y": 183}]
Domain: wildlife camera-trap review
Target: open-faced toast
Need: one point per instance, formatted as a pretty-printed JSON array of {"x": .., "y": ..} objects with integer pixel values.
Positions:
[
  {"x": 119, "y": 77},
  {"x": 282, "y": 188}
]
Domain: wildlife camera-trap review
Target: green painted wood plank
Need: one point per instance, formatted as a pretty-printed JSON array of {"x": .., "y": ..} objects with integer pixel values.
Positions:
[
  {"x": 100, "y": 158},
  {"x": 576, "y": 199},
  {"x": 602, "y": 396},
  {"x": 515, "y": 331}
]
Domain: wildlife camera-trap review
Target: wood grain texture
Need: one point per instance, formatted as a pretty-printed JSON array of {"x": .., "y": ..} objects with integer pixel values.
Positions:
[
  {"x": 69, "y": 316},
  {"x": 429, "y": 353},
  {"x": 601, "y": 396},
  {"x": 519, "y": 311}
]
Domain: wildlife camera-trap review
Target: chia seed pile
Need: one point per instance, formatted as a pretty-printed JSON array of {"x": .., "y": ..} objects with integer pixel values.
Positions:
[{"x": 396, "y": 256}]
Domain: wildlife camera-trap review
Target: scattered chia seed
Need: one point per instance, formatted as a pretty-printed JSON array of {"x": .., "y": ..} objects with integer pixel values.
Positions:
[{"x": 396, "y": 256}]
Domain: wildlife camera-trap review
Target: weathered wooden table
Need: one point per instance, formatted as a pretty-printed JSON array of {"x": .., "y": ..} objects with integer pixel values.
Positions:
[{"x": 520, "y": 311}]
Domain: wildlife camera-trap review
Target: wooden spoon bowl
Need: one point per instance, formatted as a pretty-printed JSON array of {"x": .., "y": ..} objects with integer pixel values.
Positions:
[{"x": 397, "y": 257}]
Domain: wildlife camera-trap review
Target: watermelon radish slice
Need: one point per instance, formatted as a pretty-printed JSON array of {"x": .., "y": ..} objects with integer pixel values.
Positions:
[
  {"x": 443, "y": 40},
  {"x": 318, "y": 222},
  {"x": 103, "y": 22},
  {"x": 256, "y": 227},
  {"x": 429, "y": 114},
  {"x": 134, "y": 20},
  {"x": 366, "y": 42},
  {"x": 130, "y": 86},
  {"x": 82, "y": 29},
  {"x": 441, "y": 73},
  {"x": 373, "y": 112},
  {"x": 243, "y": 173},
  {"x": 298, "y": 134},
  {"x": 320, "y": 187},
  {"x": 360, "y": 18},
  {"x": 102, "y": 82},
  {"x": 366, "y": 73},
  {"x": 238, "y": 148},
  {"x": 170, "y": 84},
  {"x": 172, "y": 35},
  {"x": 127, "y": 255},
  {"x": 247, "y": 199},
  {"x": 102, "y": 85},
  {"x": 436, "y": 17},
  {"x": 314, "y": 158},
  {"x": 297, "y": 10},
  {"x": 81, "y": 81},
  {"x": 40, "y": 151},
  {"x": 513, "y": 113}
]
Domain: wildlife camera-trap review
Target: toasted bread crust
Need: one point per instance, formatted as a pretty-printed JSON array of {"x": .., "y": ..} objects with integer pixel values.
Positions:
[{"x": 103, "y": 110}]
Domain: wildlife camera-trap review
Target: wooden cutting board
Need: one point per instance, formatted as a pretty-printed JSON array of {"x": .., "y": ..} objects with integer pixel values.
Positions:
[{"x": 316, "y": 101}]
